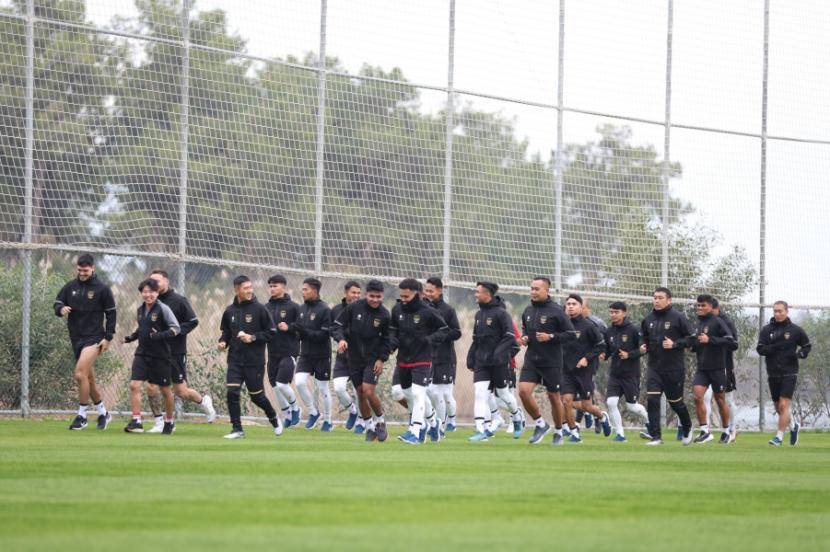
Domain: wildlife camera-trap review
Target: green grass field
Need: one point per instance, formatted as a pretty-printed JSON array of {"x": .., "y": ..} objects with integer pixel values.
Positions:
[{"x": 62, "y": 490}]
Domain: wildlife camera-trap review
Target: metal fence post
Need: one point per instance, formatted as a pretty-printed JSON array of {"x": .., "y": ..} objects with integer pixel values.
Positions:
[
  {"x": 450, "y": 120},
  {"x": 558, "y": 168},
  {"x": 321, "y": 143},
  {"x": 762, "y": 261},
  {"x": 25, "y": 341},
  {"x": 184, "y": 137}
]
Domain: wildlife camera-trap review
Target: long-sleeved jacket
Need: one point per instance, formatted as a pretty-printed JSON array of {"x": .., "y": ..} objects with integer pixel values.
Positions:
[
  {"x": 366, "y": 330},
  {"x": 711, "y": 355},
  {"x": 157, "y": 327},
  {"x": 444, "y": 353},
  {"x": 252, "y": 318},
  {"x": 730, "y": 360},
  {"x": 336, "y": 310},
  {"x": 91, "y": 302},
  {"x": 185, "y": 315},
  {"x": 658, "y": 325},
  {"x": 623, "y": 337},
  {"x": 493, "y": 336},
  {"x": 783, "y": 343},
  {"x": 546, "y": 317},
  {"x": 284, "y": 343},
  {"x": 589, "y": 344},
  {"x": 415, "y": 328},
  {"x": 313, "y": 325}
]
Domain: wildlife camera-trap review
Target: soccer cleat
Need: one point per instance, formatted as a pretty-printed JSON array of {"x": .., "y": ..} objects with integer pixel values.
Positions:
[
  {"x": 235, "y": 434},
  {"x": 409, "y": 438},
  {"x": 371, "y": 436},
  {"x": 704, "y": 437},
  {"x": 422, "y": 435},
  {"x": 326, "y": 427},
  {"x": 295, "y": 417},
  {"x": 158, "y": 426},
  {"x": 606, "y": 425},
  {"x": 450, "y": 427},
  {"x": 646, "y": 435},
  {"x": 134, "y": 427},
  {"x": 654, "y": 443},
  {"x": 775, "y": 441},
  {"x": 312, "y": 420},
  {"x": 207, "y": 407},
  {"x": 733, "y": 435},
  {"x": 566, "y": 432},
  {"x": 434, "y": 433},
  {"x": 794, "y": 434},
  {"x": 574, "y": 438},
  {"x": 104, "y": 421},
  {"x": 679, "y": 433},
  {"x": 557, "y": 440},
  {"x": 478, "y": 437},
  {"x": 489, "y": 433},
  {"x": 351, "y": 420},
  {"x": 278, "y": 427},
  {"x": 539, "y": 434},
  {"x": 78, "y": 423},
  {"x": 687, "y": 438},
  {"x": 620, "y": 439},
  {"x": 518, "y": 427},
  {"x": 589, "y": 420},
  {"x": 359, "y": 429},
  {"x": 286, "y": 422},
  {"x": 724, "y": 439},
  {"x": 382, "y": 434},
  {"x": 169, "y": 428}
]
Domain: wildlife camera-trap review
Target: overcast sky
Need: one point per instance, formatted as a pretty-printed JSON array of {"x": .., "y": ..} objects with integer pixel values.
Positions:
[{"x": 616, "y": 64}]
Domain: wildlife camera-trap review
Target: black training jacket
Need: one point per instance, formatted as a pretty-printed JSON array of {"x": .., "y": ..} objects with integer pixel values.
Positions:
[
  {"x": 313, "y": 325},
  {"x": 589, "y": 344},
  {"x": 444, "y": 353},
  {"x": 415, "y": 329},
  {"x": 252, "y": 318},
  {"x": 284, "y": 343},
  {"x": 366, "y": 330},
  {"x": 91, "y": 303},
  {"x": 658, "y": 325},
  {"x": 157, "y": 327},
  {"x": 783, "y": 343},
  {"x": 625, "y": 337},
  {"x": 494, "y": 339},
  {"x": 730, "y": 360},
  {"x": 185, "y": 315},
  {"x": 546, "y": 317},
  {"x": 712, "y": 355}
]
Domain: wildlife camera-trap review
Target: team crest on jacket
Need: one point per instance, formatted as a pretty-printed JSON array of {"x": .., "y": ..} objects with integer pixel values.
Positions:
[
  {"x": 90, "y": 294},
  {"x": 489, "y": 321},
  {"x": 578, "y": 333},
  {"x": 667, "y": 325},
  {"x": 312, "y": 316},
  {"x": 376, "y": 322},
  {"x": 154, "y": 316},
  {"x": 359, "y": 316},
  {"x": 786, "y": 335},
  {"x": 624, "y": 338},
  {"x": 249, "y": 318},
  {"x": 282, "y": 313},
  {"x": 417, "y": 318},
  {"x": 543, "y": 319},
  {"x": 706, "y": 330}
]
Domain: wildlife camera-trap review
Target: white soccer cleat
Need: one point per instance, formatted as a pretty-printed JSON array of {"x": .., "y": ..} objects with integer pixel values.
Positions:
[
  {"x": 278, "y": 429},
  {"x": 235, "y": 435},
  {"x": 687, "y": 440},
  {"x": 733, "y": 435},
  {"x": 207, "y": 408},
  {"x": 158, "y": 426}
]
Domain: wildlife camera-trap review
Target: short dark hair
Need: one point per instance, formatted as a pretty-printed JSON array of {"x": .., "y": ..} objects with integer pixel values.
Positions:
[
  {"x": 715, "y": 303},
  {"x": 239, "y": 280},
  {"x": 313, "y": 282},
  {"x": 706, "y": 298},
  {"x": 575, "y": 297},
  {"x": 160, "y": 272},
  {"x": 543, "y": 279},
  {"x": 435, "y": 281},
  {"x": 277, "y": 279},
  {"x": 374, "y": 285},
  {"x": 492, "y": 287},
  {"x": 150, "y": 283},
  {"x": 85, "y": 259},
  {"x": 350, "y": 284},
  {"x": 786, "y": 305},
  {"x": 665, "y": 290},
  {"x": 411, "y": 284},
  {"x": 618, "y": 305}
]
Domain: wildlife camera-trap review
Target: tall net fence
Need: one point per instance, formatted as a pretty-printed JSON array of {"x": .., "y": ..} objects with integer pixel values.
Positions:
[{"x": 612, "y": 147}]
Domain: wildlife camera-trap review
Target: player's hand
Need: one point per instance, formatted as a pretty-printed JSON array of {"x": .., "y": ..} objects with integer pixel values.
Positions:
[
  {"x": 668, "y": 343},
  {"x": 245, "y": 338},
  {"x": 583, "y": 362},
  {"x": 703, "y": 338},
  {"x": 643, "y": 349},
  {"x": 65, "y": 311},
  {"x": 524, "y": 340},
  {"x": 624, "y": 354},
  {"x": 378, "y": 367},
  {"x": 222, "y": 346},
  {"x": 282, "y": 326},
  {"x": 602, "y": 356},
  {"x": 542, "y": 337},
  {"x": 342, "y": 345},
  {"x": 103, "y": 345}
]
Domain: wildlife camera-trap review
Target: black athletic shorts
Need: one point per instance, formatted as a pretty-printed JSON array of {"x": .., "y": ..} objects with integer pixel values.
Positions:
[
  {"x": 498, "y": 375},
  {"x": 669, "y": 383},
  {"x": 251, "y": 376},
  {"x": 731, "y": 382},
  {"x": 782, "y": 387},
  {"x": 319, "y": 367},
  {"x": 361, "y": 374},
  {"x": 624, "y": 385},
  {"x": 178, "y": 368},
  {"x": 396, "y": 375},
  {"x": 281, "y": 369},
  {"x": 715, "y": 378},
  {"x": 579, "y": 383},
  {"x": 154, "y": 370},
  {"x": 78, "y": 346},
  {"x": 418, "y": 375},
  {"x": 549, "y": 376},
  {"x": 443, "y": 373},
  {"x": 341, "y": 367}
]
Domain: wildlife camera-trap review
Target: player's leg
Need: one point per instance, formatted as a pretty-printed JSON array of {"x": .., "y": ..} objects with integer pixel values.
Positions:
[
  {"x": 481, "y": 406},
  {"x": 233, "y": 386},
  {"x": 301, "y": 377},
  {"x": 154, "y": 397},
  {"x": 707, "y": 404},
  {"x": 700, "y": 385},
  {"x": 397, "y": 389},
  {"x": 285, "y": 373},
  {"x": 160, "y": 375},
  {"x": 322, "y": 375},
  {"x": 85, "y": 360},
  {"x": 368, "y": 388},
  {"x": 254, "y": 381},
  {"x": 673, "y": 385}
]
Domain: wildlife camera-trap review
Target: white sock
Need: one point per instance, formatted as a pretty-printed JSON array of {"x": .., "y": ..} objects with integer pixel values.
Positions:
[
  {"x": 780, "y": 435},
  {"x": 379, "y": 419},
  {"x": 281, "y": 400},
  {"x": 446, "y": 390},
  {"x": 436, "y": 397},
  {"x": 368, "y": 423},
  {"x": 102, "y": 410},
  {"x": 301, "y": 381},
  {"x": 540, "y": 422},
  {"x": 159, "y": 419},
  {"x": 639, "y": 410},
  {"x": 325, "y": 395},
  {"x": 733, "y": 409},
  {"x": 397, "y": 393},
  {"x": 419, "y": 393},
  {"x": 343, "y": 395},
  {"x": 614, "y": 414},
  {"x": 82, "y": 408},
  {"x": 509, "y": 400},
  {"x": 704, "y": 428},
  {"x": 481, "y": 406},
  {"x": 289, "y": 396},
  {"x": 707, "y": 403}
]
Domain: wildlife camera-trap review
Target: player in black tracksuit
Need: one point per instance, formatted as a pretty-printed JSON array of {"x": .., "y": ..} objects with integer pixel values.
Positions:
[
  {"x": 783, "y": 343},
  {"x": 731, "y": 381},
  {"x": 545, "y": 327},
  {"x": 246, "y": 329},
  {"x": 711, "y": 340},
  {"x": 581, "y": 358},
  {"x": 313, "y": 325},
  {"x": 622, "y": 348},
  {"x": 665, "y": 334},
  {"x": 415, "y": 329},
  {"x": 362, "y": 332},
  {"x": 444, "y": 361},
  {"x": 283, "y": 349},
  {"x": 153, "y": 358},
  {"x": 89, "y": 307},
  {"x": 340, "y": 373}
]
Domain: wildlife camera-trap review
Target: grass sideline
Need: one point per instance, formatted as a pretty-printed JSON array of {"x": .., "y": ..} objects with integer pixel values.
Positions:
[{"x": 62, "y": 490}]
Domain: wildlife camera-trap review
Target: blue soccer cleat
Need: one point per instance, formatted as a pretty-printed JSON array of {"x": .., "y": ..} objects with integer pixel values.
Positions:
[
  {"x": 350, "y": 421},
  {"x": 409, "y": 438},
  {"x": 434, "y": 433},
  {"x": 574, "y": 439},
  {"x": 794, "y": 434},
  {"x": 566, "y": 432},
  {"x": 326, "y": 427},
  {"x": 606, "y": 425},
  {"x": 775, "y": 441},
  {"x": 422, "y": 435},
  {"x": 359, "y": 429},
  {"x": 478, "y": 437},
  {"x": 312, "y": 420},
  {"x": 589, "y": 420},
  {"x": 489, "y": 433},
  {"x": 295, "y": 417},
  {"x": 450, "y": 427},
  {"x": 620, "y": 439},
  {"x": 518, "y": 427}
]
